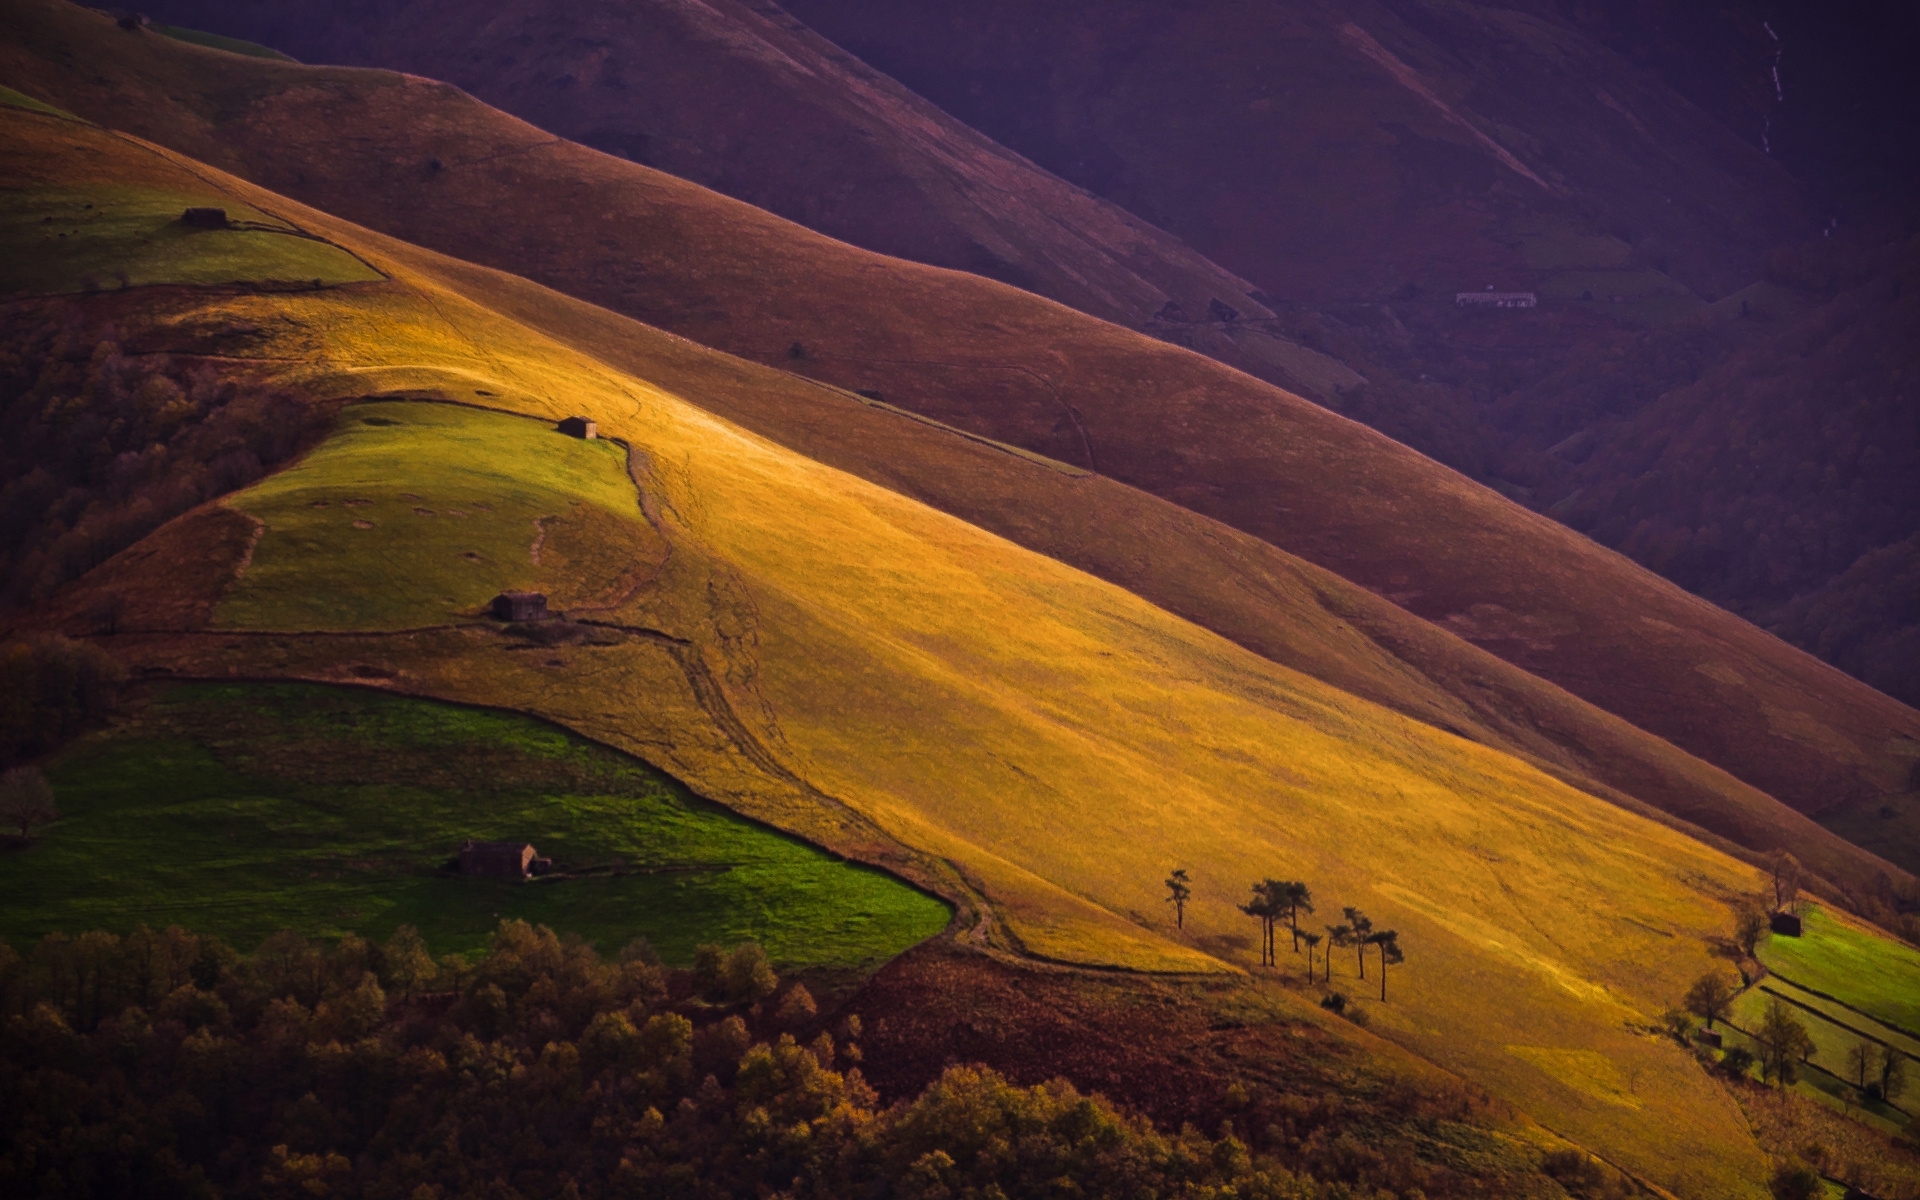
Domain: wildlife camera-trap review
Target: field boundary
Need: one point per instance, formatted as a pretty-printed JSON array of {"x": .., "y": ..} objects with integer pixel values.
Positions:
[{"x": 1895, "y": 1026}]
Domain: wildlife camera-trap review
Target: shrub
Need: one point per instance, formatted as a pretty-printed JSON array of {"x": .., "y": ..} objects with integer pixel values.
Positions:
[
  {"x": 1795, "y": 1180},
  {"x": 50, "y": 689}
]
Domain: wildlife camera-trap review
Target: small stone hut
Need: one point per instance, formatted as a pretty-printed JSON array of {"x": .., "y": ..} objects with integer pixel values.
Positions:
[
  {"x": 579, "y": 427},
  {"x": 501, "y": 860},
  {"x": 205, "y": 218},
  {"x": 1784, "y": 923},
  {"x": 520, "y": 606}
]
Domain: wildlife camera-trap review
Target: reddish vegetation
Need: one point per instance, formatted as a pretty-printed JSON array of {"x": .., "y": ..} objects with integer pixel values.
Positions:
[
  {"x": 1158, "y": 1047},
  {"x": 1323, "y": 1097}
]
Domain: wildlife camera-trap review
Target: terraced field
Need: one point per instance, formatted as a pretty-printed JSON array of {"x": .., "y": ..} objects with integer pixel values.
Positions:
[
  {"x": 1841, "y": 958},
  {"x": 241, "y": 809}
]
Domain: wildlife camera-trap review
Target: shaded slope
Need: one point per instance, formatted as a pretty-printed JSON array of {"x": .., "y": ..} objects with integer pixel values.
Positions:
[
  {"x": 1405, "y": 142},
  {"x": 905, "y": 688},
  {"x": 1008, "y": 365},
  {"x": 738, "y": 96}
]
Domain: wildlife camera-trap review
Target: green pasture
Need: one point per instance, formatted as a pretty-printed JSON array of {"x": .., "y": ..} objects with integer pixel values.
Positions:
[
  {"x": 412, "y": 514},
  {"x": 240, "y": 809},
  {"x": 1876, "y": 975},
  {"x": 101, "y": 238},
  {"x": 1833, "y": 1036},
  {"x": 214, "y": 41},
  {"x": 1817, "y": 1082},
  {"x": 13, "y": 99}
]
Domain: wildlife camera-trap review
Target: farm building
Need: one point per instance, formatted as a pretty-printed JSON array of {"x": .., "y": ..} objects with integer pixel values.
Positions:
[
  {"x": 1492, "y": 299},
  {"x": 579, "y": 427},
  {"x": 520, "y": 606},
  {"x": 205, "y": 218},
  {"x": 501, "y": 860},
  {"x": 1785, "y": 924}
]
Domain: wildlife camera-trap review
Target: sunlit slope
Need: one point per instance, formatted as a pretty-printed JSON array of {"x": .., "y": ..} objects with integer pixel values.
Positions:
[
  {"x": 424, "y": 162},
  {"x": 853, "y": 665},
  {"x": 418, "y": 514},
  {"x": 672, "y": 238}
]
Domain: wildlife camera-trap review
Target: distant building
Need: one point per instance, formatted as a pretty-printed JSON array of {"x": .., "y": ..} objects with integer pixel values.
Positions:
[
  {"x": 520, "y": 606},
  {"x": 205, "y": 218},
  {"x": 1491, "y": 299},
  {"x": 579, "y": 427},
  {"x": 1785, "y": 924},
  {"x": 501, "y": 860},
  {"x": 1711, "y": 1037}
]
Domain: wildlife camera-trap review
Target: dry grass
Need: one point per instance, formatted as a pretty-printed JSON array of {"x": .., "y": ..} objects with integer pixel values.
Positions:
[{"x": 819, "y": 642}]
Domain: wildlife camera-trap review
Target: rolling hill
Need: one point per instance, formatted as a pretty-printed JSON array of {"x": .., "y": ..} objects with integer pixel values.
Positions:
[
  {"x": 859, "y": 668},
  {"x": 1398, "y": 149},
  {"x": 1247, "y": 590},
  {"x": 693, "y": 90},
  {"x": 1005, "y": 365}
]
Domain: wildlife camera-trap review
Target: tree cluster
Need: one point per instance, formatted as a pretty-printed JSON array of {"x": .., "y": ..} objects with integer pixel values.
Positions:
[
  {"x": 1280, "y": 903},
  {"x": 50, "y": 689},
  {"x": 101, "y": 445},
  {"x": 165, "y": 1064}
]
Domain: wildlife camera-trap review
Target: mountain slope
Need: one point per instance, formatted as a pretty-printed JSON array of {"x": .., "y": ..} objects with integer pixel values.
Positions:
[
  {"x": 1630, "y": 164},
  {"x": 1008, "y": 365},
  {"x": 694, "y": 89},
  {"x": 1245, "y": 589},
  {"x": 850, "y": 664}
]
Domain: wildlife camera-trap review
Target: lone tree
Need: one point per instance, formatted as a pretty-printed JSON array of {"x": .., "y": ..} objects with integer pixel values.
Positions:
[
  {"x": 1179, "y": 887},
  {"x": 1299, "y": 899},
  {"x": 1359, "y": 928},
  {"x": 1312, "y": 940},
  {"x": 1787, "y": 874},
  {"x": 1709, "y": 997},
  {"x": 1337, "y": 936},
  {"x": 1267, "y": 904},
  {"x": 1389, "y": 942},
  {"x": 26, "y": 800},
  {"x": 1893, "y": 1074},
  {"x": 1784, "y": 1044},
  {"x": 1749, "y": 926},
  {"x": 1864, "y": 1057}
]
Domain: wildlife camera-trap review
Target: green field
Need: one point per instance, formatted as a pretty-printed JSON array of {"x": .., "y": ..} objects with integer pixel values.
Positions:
[
  {"x": 56, "y": 241},
  {"x": 414, "y": 514},
  {"x": 14, "y": 99},
  {"x": 240, "y": 809},
  {"x": 215, "y": 41},
  {"x": 1876, "y": 975}
]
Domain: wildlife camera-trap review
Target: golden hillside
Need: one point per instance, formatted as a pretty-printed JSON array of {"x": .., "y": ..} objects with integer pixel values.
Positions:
[{"x": 1038, "y": 744}]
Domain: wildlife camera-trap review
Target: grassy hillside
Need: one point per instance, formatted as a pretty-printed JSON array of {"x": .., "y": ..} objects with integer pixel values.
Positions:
[
  {"x": 100, "y": 237},
  {"x": 1040, "y": 745},
  {"x": 998, "y": 362},
  {"x": 241, "y": 809},
  {"x": 417, "y": 514},
  {"x": 1838, "y": 958}
]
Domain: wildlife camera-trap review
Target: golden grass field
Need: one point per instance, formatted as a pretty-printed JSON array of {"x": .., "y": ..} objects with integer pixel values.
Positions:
[
  {"x": 1007, "y": 365},
  {"x": 1041, "y": 745}
]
